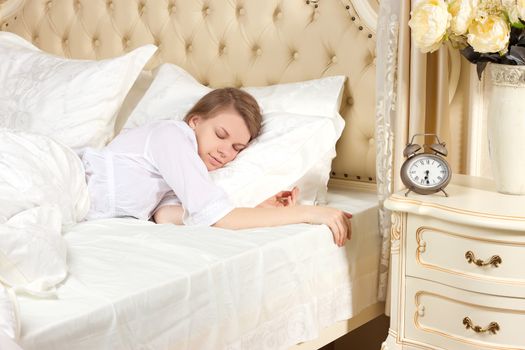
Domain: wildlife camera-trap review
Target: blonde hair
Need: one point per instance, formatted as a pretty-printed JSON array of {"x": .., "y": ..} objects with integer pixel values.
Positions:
[{"x": 219, "y": 100}]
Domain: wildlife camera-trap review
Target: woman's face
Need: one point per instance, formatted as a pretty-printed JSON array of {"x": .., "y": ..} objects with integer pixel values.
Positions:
[{"x": 220, "y": 138}]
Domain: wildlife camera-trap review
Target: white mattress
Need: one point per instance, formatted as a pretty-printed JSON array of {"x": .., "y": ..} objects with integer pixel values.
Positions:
[{"x": 137, "y": 285}]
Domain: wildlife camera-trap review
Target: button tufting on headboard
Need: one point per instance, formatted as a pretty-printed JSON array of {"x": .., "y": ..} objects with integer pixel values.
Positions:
[{"x": 224, "y": 42}]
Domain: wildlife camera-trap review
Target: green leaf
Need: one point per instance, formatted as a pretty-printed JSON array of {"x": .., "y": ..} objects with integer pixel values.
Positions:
[{"x": 518, "y": 25}]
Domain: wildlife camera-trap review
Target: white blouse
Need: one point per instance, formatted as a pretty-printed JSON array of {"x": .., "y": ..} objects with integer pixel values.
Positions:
[{"x": 151, "y": 166}]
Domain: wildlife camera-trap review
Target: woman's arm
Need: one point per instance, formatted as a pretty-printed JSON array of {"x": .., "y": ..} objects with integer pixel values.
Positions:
[
  {"x": 240, "y": 218},
  {"x": 169, "y": 214},
  {"x": 337, "y": 220},
  {"x": 173, "y": 213}
]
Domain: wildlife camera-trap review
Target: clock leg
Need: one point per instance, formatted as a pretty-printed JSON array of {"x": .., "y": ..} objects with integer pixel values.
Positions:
[
  {"x": 442, "y": 190},
  {"x": 407, "y": 192}
]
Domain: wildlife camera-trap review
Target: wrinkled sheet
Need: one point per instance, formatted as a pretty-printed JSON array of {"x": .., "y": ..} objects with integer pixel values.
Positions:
[
  {"x": 42, "y": 192},
  {"x": 137, "y": 285}
]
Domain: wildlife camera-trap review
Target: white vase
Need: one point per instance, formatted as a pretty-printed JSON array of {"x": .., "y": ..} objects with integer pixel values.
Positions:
[{"x": 506, "y": 126}]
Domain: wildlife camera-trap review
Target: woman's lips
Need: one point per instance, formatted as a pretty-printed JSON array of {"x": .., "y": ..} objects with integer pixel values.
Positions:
[{"x": 214, "y": 161}]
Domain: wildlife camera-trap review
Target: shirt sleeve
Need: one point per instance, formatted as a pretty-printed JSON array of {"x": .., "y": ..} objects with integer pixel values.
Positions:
[
  {"x": 169, "y": 199},
  {"x": 174, "y": 153}
]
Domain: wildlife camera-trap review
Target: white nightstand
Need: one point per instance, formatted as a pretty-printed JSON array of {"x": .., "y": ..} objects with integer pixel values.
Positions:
[{"x": 457, "y": 269}]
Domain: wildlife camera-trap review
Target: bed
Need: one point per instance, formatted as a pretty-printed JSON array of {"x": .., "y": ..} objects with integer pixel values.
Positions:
[{"x": 136, "y": 285}]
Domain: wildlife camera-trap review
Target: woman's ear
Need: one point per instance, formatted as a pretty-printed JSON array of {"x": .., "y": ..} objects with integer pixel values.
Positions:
[{"x": 193, "y": 121}]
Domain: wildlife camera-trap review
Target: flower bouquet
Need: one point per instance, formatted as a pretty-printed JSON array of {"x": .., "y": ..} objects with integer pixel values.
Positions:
[
  {"x": 483, "y": 30},
  {"x": 487, "y": 31}
]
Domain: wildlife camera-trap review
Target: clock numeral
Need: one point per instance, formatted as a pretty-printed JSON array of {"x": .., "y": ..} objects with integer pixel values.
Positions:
[
  {"x": 421, "y": 162},
  {"x": 428, "y": 161},
  {"x": 440, "y": 178},
  {"x": 416, "y": 178}
]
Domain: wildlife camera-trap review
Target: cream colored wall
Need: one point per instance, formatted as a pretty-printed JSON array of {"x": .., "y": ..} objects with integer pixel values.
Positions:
[
  {"x": 459, "y": 120},
  {"x": 448, "y": 116},
  {"x": 463, "y": 125}
]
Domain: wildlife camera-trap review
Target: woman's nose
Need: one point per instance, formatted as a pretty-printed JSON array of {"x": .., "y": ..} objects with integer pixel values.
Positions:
[
  {"x": 226, "y": 155},
  {"x": 222, "y": 153}
]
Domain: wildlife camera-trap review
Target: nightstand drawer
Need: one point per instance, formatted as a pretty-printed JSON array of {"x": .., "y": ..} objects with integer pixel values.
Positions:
[
  {"x": 450, "y": 318},
  {"x": 466, "y": 257}
]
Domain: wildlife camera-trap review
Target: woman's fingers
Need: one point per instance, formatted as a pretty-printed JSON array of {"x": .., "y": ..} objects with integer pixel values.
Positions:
[
  {"x": 337, "y": 220},
  {"x": 341, "y": 229},
  {"x": 349, "y": 226},
  {"x": 335, "y": 232},
  {"x": 338, "y": 228},
  {"x": 288, "y": 198},
  {"x": 346, "y": 217},
  {"x": 295, "y": 194},
  {"x": 341, "y": 233}
]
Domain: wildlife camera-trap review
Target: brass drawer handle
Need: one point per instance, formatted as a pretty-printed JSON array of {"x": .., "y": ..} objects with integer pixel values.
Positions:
[
  {"x": 494, "y": 260},
  {"x": 493, "y": 327}
]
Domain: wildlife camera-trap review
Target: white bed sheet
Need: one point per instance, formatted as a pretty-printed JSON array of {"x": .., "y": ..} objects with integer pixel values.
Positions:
[{"x": 137, "y": 285}]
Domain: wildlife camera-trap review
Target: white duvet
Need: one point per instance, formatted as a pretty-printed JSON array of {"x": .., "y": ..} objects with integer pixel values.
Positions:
[{"x": 42, "y": 193}]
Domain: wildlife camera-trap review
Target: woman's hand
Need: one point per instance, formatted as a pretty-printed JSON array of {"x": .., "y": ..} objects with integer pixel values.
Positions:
[
  {"x": 281, "y": 199},
  {"x": 337, "y": 220}
]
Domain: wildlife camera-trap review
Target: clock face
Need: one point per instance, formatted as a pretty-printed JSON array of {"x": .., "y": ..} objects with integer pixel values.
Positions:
[{"x": 425, "y": 172}]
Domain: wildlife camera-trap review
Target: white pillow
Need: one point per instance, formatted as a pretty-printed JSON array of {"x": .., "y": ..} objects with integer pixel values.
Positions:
[
  {"x": 319, "y": 97},
  {"x": 174, "y": 91},
  {"x": 170, "y": 96},
  {"x": 287, "y": 149},
  {"x": 301, "y": 125},
  {"x": 74, "y": 101},
  {"x": 133, "y": 97}
]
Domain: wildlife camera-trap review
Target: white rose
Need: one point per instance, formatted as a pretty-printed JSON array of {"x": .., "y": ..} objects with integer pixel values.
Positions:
[
  {"x": 429, "y": 23},
  {"x": 520, "y": 7},
  {"x": 489, "y": 34},
  {"x": 463, "y": 12},
  {"x": 512, "y": 8}
]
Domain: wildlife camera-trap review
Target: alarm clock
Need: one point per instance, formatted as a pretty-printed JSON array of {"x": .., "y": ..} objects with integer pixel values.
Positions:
[{"x": 425, "y": 172}]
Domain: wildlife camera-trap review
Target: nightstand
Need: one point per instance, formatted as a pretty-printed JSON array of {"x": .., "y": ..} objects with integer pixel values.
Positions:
[{"x": 457, "y": 269}]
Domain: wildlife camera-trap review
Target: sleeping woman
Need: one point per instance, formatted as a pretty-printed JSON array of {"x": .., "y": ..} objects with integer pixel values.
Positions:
[{"x": 159, "y": 171}]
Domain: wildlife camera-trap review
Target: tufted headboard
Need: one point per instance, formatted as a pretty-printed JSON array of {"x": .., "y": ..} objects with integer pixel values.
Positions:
[{"x": 228, "y": 42}]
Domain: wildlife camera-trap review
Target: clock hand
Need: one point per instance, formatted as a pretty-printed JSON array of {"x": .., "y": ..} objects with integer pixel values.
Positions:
[{"x": 426, "y": 177}]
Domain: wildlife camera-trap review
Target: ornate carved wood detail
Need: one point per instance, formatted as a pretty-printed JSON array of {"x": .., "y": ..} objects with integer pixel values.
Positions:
[{"x": 397, "y": 227}]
